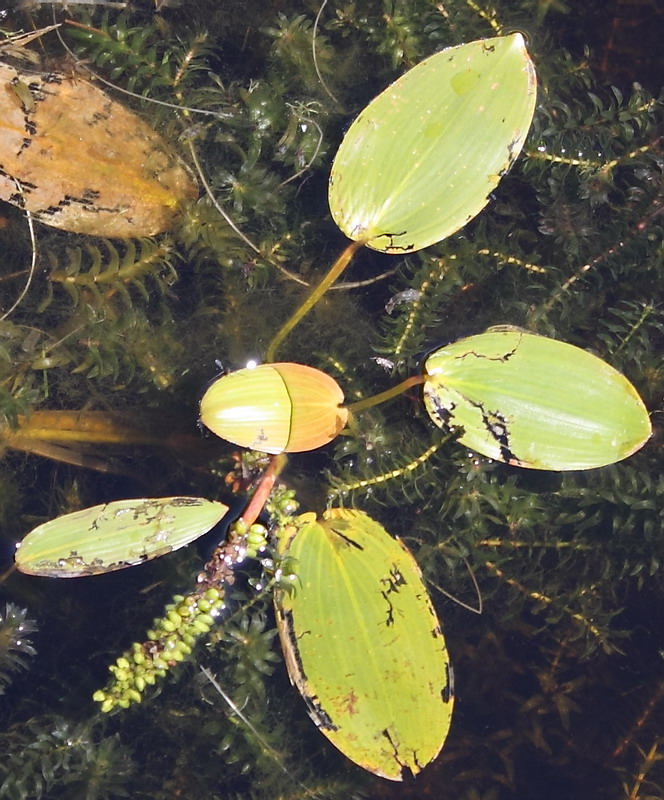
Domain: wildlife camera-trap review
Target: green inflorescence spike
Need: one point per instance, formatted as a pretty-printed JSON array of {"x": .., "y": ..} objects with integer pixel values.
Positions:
[
  {"x": 170, "y": 641},
  {"x": 186, "y": 619}
]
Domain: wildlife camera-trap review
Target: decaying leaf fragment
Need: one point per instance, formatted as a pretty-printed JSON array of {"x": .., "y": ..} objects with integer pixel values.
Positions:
[{"x": 83, "y": 162}]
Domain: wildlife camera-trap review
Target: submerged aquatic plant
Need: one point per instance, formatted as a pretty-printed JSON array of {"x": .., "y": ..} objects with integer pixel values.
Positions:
[
  {"x": 50, "y": 755},
  {"x": 561, "y": 674},
  {"x": 15, "y": 642}
]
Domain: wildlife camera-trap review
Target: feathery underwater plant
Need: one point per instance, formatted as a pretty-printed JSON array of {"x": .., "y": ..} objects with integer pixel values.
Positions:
[{"x": 569, "y": 247}]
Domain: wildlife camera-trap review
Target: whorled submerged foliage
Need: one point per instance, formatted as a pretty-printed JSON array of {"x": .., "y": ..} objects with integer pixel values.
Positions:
[
  {"x": 51, "y": 756},
  {"x": 560, "y": 677},
  {"x": 15, "y": 642}
]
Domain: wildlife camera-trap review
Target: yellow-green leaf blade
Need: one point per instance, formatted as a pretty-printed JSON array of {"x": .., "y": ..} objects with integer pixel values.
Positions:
[
  {"x": 422, "y": 158},
  {"x": 534, "y": 402},
  {"x": 115, "y": 535},
  {"x": 363, "y": 643}
]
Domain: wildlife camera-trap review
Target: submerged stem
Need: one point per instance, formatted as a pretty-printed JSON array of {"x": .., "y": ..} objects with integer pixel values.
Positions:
[
  {"x": 388, "y": 394},
  {"x": 335, "y": 271},
  {"x": 265, "y": 486},
  {"x": 79, "y": 427}
]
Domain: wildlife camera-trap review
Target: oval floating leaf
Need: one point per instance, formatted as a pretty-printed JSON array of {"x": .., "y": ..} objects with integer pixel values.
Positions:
[
  {"x": 534, "y": 402},
  {"x": 84, "y": 162},
  {"x": 421, "y": 159},
  {"x": 363, "y": 643},
  {"x": 115, "y": 535}
]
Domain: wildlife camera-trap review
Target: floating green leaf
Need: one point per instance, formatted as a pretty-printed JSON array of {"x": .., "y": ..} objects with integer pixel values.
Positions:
[
  {"x": 363, "y": 644},
  {"x": 534, "y": 402},
  {"x": 421, "y": 159},
  {"x": 115, "y": 535}
]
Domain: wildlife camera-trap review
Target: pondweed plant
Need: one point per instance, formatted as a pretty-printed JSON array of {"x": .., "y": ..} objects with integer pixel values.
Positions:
[{"x": 560, "y": 675}]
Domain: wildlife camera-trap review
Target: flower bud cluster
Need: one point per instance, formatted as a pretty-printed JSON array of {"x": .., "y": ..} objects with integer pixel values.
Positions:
[
  {"x": 281, "y": 506},
  {"x": 170, "y": 641},
  {"x": 250, "y": 540}
]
